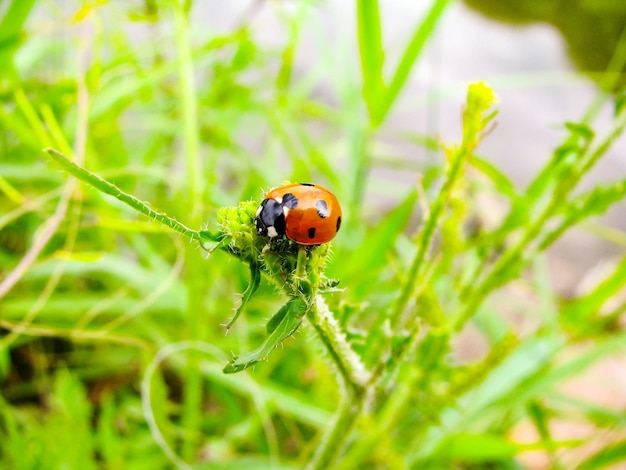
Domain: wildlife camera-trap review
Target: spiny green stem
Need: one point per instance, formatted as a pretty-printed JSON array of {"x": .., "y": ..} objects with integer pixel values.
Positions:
[
  {"x": 426, "y": 236},
  {"x": 349, "y": 364},
  {"x": 109, "y": 188},
  {"x": 499, "y": 273},
  {"x": 476, "y": 117}
]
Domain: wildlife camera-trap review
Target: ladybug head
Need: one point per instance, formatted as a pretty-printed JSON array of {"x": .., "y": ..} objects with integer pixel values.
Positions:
[{"x": 270, "y": 219}]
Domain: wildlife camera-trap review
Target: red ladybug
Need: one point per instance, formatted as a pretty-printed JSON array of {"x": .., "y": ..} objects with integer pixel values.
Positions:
[{"x": 305, "y": 213}]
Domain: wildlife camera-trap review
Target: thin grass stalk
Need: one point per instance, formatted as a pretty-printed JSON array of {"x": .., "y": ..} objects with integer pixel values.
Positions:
[
  {"x": 51, "y": 225},
  {"x": 74, "y": 217},
  {"x": 504, "y": 269},
  {"x": 10, "y": 192},
  {"x": 55, "y": 134},
  {"x": 336, "y": 435},
  {"x": 192, "y": 395},
  {"x": 372, "y": 55},
  {"x": 412, "y": 53}
]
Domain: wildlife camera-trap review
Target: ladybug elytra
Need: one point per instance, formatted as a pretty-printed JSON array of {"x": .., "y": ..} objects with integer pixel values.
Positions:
[{"x": 305, "y": 213}]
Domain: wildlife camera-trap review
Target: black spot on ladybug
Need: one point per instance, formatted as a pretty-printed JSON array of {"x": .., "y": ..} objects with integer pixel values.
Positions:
[
  {"x": 280, "y": 225},
  {"x": 290, "y": 201},
  {"x": 338, "y": 223},
  {"x": 312, "y": 232},
  {"x": 307, "y": 184},
  {"x": 322, "y": 208}
]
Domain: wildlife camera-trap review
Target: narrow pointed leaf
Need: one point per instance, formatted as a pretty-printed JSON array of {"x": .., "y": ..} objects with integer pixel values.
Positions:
[
  {"x": 282, "y": 325},
  {"x": 253, "y": 286}
]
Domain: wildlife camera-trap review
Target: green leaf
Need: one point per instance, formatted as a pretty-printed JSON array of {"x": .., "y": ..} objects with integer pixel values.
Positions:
[
  {"x": 611, "y": 454},
  {"x": 14, "y": 442},
  {"x": 502, "y": 183},
  {"x": 10, "y": 30},
  {"x": 5, "y": 363},
  {"x": 372, "y": 55},
  {"x": 70, "y": 409},
  {"x": 595, "y": 202},
  {"x": 110, "y": 443},
  {"x": 277, "y": 319},
  {"x": 580, "y": 129},
  {"x": 579, "y": 312},
  {"x": 253, "y": 286},
  {"x": 413, "y": 51},
  {"x": 475, "y": 448},
  {"x": 381, "y": 239},
  {"x": 281, "y": 326}
]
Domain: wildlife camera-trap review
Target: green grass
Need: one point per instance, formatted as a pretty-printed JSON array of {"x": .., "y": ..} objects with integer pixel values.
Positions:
[{"x": 115, "y": 294}]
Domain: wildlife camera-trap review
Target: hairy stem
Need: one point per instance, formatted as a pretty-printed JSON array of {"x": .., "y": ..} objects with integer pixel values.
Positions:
[
  {"x": 349, "y": 365},
  {"x": 109, "y": 188}
]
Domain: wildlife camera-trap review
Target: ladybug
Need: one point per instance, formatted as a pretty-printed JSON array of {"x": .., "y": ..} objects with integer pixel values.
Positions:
[{"x": 305, "y": 213}]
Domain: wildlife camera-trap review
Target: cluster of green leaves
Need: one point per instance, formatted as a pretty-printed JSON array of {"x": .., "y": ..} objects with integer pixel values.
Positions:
[{"x": 112, "y": 326}]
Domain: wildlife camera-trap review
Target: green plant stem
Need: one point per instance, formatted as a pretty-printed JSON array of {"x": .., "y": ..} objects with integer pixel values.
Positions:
[
  {"x": 476, "y": 117},
  {"x": 189, "y": 108},
  {"x": 35, "y": 123},
  {"x": 354, "y": 374},
  {"x": 425, "y": 237},
  {"x": 109, "y": 188},
  {"x": 10, "y": 192},
  {"x": 501, "y": 271},
  {"x": 335, "y": 437},
  {"x": 371, "y": 52},
  {"x": 195, "y": 282},
  {"x": 386, "y": 420}
]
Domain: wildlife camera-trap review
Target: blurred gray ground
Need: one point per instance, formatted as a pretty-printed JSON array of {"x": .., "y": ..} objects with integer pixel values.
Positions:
[{"x": 527, "y": 65}]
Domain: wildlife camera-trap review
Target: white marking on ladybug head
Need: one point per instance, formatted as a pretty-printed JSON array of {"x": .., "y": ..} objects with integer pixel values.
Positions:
[
  {"x": 271, "y": 232},
  {"x": 258, "y": 211},
  {"x": 278, "y": 199},
  {"x": 286, "y": 211}
]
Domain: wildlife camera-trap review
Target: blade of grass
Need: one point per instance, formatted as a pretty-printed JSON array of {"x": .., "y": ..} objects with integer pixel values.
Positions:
[
  {"x": 10, "y": 192},
  {"x": 412, "y": 53},
  {"x": 582, "y": 309},
  {"x": 372, "y": 55},
  {"x": 613, "y": 453},
  {"x": 10, "y": 28},
  {"x": 195, "y": 192}
]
